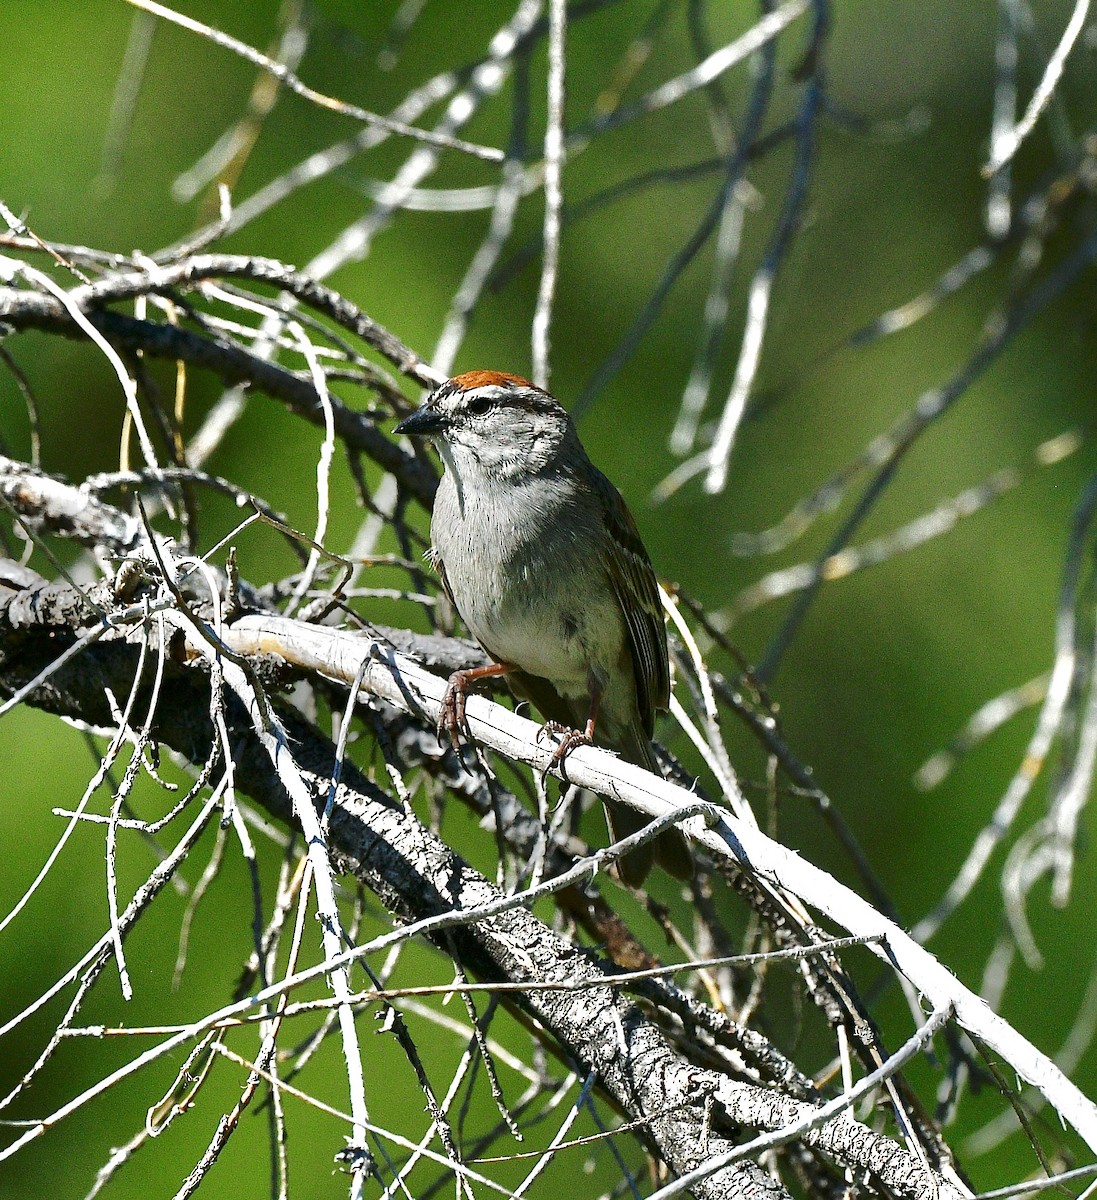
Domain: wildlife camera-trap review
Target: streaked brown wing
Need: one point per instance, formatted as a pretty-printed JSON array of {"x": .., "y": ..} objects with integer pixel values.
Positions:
[{"x": 638, "y": 594}]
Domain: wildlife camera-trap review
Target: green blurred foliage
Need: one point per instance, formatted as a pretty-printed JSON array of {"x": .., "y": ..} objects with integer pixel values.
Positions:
[{"x": 889, "y": 664}]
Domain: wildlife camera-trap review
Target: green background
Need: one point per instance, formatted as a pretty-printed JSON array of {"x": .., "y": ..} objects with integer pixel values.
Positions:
[{"x": 889, "y": 664}]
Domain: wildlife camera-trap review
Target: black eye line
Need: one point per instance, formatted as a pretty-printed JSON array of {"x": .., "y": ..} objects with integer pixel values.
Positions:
[{"x": 528, "y": 399}]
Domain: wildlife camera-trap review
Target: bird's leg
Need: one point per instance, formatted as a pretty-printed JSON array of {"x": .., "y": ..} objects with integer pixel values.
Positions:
[
  {"x": 451, "y": 716},
  {"x": 571, "y": 738}
]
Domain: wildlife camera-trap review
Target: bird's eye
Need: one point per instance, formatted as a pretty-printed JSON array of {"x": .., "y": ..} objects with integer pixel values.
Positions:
[{"x": 479, "y": 406}]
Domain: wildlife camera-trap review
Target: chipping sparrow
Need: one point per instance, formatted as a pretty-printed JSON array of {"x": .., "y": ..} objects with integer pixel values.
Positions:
[{"x": 543, "y": 562}]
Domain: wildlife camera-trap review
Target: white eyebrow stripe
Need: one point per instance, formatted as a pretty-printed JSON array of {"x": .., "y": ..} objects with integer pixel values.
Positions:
[{"x": 488, "y": 391}]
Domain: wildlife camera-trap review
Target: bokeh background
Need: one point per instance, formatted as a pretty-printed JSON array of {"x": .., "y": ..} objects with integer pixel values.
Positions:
[{"x": 890, "y": 662}]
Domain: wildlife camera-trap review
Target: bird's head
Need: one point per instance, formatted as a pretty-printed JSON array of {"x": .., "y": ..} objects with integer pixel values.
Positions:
[{"x": 490, "y": 422}]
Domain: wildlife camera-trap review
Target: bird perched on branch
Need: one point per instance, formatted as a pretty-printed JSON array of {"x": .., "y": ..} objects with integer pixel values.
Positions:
[{"x": 544, "y": 564}]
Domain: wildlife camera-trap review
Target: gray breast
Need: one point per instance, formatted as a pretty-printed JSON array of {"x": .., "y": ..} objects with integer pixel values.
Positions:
[{"x": 526, "y": 576}]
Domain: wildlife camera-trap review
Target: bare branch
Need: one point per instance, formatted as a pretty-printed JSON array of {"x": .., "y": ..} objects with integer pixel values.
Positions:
[{"x": 284, "y": 75}]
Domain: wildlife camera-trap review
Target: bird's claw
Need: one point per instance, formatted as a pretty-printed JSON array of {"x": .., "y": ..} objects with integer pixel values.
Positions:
[
  {"x": 570, "y": 739},
  {"x": 452, "y": 722}
]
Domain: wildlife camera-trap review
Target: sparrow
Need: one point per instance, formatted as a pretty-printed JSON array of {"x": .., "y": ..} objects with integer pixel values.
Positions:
[{"x": 543, "y": 562}]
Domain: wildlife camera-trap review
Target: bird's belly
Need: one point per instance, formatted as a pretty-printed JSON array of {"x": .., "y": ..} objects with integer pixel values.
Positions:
[
  {"x": 536, "y": 637},
  {"x": 530, "y": 590}
]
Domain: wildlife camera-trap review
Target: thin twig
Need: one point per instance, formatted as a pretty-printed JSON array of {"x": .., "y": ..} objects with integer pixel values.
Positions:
[
  {"x": 285, "y": 76},
  {"x": 554, "y": 195},
  {"x": 1008, "y": 141}
]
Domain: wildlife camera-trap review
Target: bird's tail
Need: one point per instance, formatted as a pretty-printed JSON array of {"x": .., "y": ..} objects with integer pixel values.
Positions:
[{"x": 669, "y": 849}]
